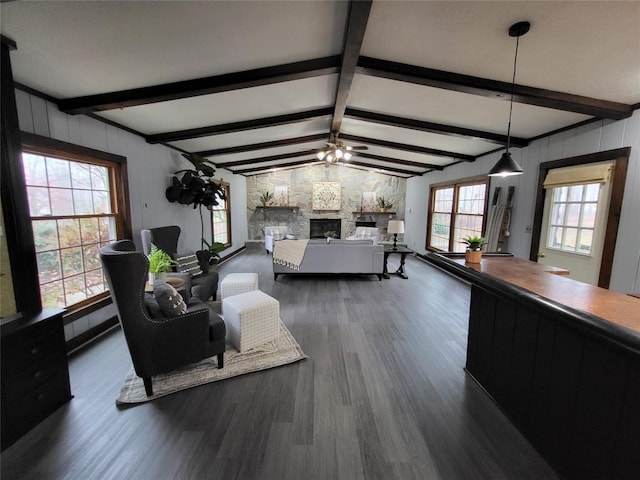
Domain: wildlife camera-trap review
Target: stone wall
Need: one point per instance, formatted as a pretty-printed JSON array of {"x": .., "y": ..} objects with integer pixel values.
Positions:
[{"x": 300, "y": 184}]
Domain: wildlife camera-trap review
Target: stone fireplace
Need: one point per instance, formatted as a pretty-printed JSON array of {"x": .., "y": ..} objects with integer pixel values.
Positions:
[{"x": 319, "y": 226}]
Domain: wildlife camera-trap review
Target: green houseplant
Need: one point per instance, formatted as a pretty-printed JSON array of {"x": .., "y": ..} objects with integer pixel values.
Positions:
[
  {"x": 266, "y": 197},
  {"x": 197, "y": 187},
  {"x": 474, "y": 244},
  {"x": 383, "y": 204},
  {"x": 159, "y": 262}
]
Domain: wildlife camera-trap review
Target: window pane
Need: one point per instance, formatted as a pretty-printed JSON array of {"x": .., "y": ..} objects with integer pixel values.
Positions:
[
  {"x": 89, "y": 230},
  {"x": 570, "y": 239},
  {"x": 555, "y": 237},
  {"x": 82, "y": 202},
  {"x": 591, "y": 192},
  {"x": 99, "y": 178},
  {"x": 58, "y": 173},
  {"x": 101, "y": 202},
  {"x": 586, "y": 241},
  {"x": 557, "y": 217},
  {"x": 443, "y": 200},
  {"x": 95, "y": 282},
  {"x": 45, "y": 235},
  {"x": 471, "y": 199},
  {"x": 91, "y": 257},
  {"x": 71, "y": 261},
  {"x": 35, "y": 171},
  {"x": 61, "y": 201},
  {"x": 52, "y": 294},
  {"x": 74, "y": 289},
  {"x": 573, "y": 215},
  {"x": 589, "y": 215},
  {"x": 560, "y": 194},
  {"x": 69, "y": 232},
  {"x": 575, "y": 193},
  {"x": 80, "y": 175},
  {"x": 38, "y": 201},
  {"x": 49, "y": 266}
]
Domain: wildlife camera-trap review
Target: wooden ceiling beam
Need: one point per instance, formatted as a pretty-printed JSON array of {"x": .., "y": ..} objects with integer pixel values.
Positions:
[
  {"x": 431, "y": 127},
  {"x": 354, "y": 35},
  {"x": 201, "y": 86},
  {"x": 485, "y": 87},
  {"x": 411, "y": 173},
  {"x": 397, "y": 161},
  {"x": 284, "y": 165},
  {"x": 238, "y": 126},
  {"x": 408, "y": 148},
  {"x": 264, "y": 145},
  {"x": 250, "y": 161}
]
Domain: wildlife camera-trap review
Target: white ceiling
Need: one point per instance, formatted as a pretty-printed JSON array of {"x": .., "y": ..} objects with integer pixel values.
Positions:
[{"x": 589, "y": 49}]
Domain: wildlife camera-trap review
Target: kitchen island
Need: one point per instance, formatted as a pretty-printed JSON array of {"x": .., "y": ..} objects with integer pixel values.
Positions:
[{"x": 562, "y": 360}]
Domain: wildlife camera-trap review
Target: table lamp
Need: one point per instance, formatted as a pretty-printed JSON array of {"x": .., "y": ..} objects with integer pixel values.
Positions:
[{"x": 395, "y": 227}]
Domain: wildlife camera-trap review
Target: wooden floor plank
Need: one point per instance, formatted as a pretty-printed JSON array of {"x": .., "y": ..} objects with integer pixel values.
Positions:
[{"x": 383, "y": 395}]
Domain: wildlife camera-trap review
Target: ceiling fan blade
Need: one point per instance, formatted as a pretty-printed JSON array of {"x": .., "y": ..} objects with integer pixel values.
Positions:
[{"x": 361, "y": 147}]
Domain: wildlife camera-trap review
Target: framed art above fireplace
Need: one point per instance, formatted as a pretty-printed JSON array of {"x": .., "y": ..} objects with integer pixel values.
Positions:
[{"x": 326, "y": 195}]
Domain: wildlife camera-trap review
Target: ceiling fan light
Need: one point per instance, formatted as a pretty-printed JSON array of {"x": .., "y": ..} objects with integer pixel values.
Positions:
[
  {"x": 347, "y": 156},
  {"x": 506, "y": 166},
  {"x": 349, "y": 148},
  {"x": 329, "y": 157},
  {"x": 339, "y": 153},
  {"x": 321, "y": 154}
]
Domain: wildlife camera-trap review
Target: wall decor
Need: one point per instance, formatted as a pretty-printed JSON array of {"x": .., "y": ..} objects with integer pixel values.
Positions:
[
  {"x": 281, "y": 196},
  {"x": 368, "y": 202},
  {"x": 326, "y": 195}
]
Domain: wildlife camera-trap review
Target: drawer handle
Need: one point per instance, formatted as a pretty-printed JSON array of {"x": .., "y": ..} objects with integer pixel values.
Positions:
[
  {"x": 41, "y": 397},
  {"x": 38, "y": 374},
  {"x": 35, "y": 351}
]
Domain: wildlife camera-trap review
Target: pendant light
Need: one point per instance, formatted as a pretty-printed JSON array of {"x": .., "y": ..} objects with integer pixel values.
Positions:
[{"x": 507, "y": 165}]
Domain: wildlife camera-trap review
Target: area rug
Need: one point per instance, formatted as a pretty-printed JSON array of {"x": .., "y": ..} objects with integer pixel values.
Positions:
[{"x": 282, "y": 351}]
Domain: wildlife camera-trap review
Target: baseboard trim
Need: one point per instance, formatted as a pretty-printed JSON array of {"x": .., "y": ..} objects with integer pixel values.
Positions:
[{"x": 85, "y": 338}]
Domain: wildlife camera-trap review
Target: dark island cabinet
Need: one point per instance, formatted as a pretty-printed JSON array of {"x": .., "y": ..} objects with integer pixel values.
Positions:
[
  {"x": 35, "y": 373},
  {"x": 574, "y": 393}
]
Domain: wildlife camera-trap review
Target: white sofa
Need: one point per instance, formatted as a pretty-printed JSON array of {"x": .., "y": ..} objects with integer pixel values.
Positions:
[{"x": 272, "y": 234}]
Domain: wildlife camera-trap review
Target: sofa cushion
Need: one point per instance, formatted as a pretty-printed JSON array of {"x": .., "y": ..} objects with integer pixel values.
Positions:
[
  {"x": 188, "y": 263},
  {"x": 169, "y": 300},
  {"x": 340, "y": 241}
]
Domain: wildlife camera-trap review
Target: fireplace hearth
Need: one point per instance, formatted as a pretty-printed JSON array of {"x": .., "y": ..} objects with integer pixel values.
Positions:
[{"x": 319, "y": 226}]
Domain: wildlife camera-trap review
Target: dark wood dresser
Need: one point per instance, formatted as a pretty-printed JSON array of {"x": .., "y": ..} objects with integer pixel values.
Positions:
[{"x": 35, "y": 372}]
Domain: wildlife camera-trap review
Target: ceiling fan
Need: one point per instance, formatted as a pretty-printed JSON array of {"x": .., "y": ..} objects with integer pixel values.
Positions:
[{"x": 336, "y": 150}]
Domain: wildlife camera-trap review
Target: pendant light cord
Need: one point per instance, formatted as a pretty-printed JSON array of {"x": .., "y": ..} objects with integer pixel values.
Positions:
[{"x": 513, "y": 87}]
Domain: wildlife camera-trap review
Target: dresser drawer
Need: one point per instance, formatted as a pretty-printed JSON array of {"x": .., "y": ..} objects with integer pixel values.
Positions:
[
  {"x": 30, "y": 346},
  {"x": 22, "y": 382},
  {"x": 23, "y": 414}
]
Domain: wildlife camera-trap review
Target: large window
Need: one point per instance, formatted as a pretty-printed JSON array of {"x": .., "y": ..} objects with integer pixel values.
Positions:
[
  {"x": 75, "y": 208},
  {"x": 456, "y": 210},
  {"x": 573, "y": 217},
  {"x": 221, "y": 219}
]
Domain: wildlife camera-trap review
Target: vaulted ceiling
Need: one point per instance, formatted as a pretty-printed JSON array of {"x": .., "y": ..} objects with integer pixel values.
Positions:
[{"x": 255, "y": 86}]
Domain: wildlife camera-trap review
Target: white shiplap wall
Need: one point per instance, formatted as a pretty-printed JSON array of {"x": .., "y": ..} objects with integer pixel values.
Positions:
[
  {"x": 592, "y": 138},
  {"x": 150, "y": 168}
]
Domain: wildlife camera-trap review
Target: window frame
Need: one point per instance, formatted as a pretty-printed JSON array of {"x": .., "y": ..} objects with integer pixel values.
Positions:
[
  {"x": 456, "y": 185},
  {"x": 118, "y": 183},
  {"x": 227, "y": 209}
]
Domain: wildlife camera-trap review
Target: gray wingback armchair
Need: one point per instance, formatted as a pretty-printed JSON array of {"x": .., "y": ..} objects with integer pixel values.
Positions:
[
  {"x": 203, "y": 286},
  {"x": 162, "y": 344}
]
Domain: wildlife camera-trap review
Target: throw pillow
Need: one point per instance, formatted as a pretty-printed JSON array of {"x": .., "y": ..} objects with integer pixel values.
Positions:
[
  {"x": 170, "y": 301},
  {"x": 188, "y": 262}
]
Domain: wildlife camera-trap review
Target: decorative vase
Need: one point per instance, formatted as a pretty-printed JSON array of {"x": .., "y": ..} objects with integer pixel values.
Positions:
[
  {"x": 473, "y": 256},
  {"x": 157, "y": 276},
  {"x": 382, "y": 209}
]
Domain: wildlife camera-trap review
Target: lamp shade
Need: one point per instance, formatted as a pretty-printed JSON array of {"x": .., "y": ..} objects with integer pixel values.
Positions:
[
  {"x": 506, "y": 166},
  {"x": 395, "y": 226}
]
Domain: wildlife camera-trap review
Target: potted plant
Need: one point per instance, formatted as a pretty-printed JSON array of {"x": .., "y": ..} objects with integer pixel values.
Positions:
[
  {"x": 197, "y": 187},
  {"x": 383, "y": 204},
  {"x": 266, "y": 197},
  {"x": 473, "y": 254},
  {"x": 210, "y": 256},
  {"x": 159, "y": 263}
]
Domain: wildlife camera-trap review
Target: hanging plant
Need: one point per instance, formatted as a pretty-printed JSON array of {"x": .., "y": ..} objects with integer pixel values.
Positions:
[{"x": 196, "y": 187}]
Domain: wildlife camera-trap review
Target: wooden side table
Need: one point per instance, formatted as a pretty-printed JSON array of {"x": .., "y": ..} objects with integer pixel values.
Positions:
[
  {"x": 173, "y": 281},
  {"x": 403, "y": 252}
]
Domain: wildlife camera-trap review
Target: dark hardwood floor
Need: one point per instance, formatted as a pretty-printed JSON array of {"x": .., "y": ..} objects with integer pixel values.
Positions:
[{"x": 383, "y": 395}]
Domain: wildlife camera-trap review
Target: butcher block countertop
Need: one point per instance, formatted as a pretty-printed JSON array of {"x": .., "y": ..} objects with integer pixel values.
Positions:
[{"x": 552, "y": 284}]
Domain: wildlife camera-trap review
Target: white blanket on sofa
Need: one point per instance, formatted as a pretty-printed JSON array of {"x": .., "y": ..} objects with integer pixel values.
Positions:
[{"x": 289, "y": 253}]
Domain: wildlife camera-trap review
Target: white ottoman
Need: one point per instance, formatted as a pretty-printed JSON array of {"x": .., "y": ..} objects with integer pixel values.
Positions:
[
  {"x": 252, "y": 318},
  {"x": 235, "y": 283}
]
